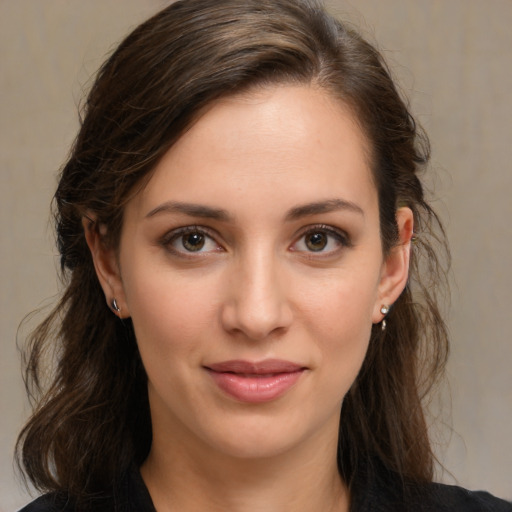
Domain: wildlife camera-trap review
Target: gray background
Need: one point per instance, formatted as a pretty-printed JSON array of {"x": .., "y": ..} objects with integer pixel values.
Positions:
[{"x": 453, "y": 58}]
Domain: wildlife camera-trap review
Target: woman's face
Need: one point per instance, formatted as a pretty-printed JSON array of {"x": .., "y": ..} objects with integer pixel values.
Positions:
[{"x": 251, "y": 266}]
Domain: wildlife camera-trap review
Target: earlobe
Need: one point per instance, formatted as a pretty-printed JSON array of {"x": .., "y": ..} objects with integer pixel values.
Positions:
[
  {"x": 395, "y": 269},
  {"x": 106, "y": 266}
]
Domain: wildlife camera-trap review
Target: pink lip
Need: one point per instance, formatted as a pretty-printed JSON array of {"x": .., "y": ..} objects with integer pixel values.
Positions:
[{"x": 255, "y": 382}]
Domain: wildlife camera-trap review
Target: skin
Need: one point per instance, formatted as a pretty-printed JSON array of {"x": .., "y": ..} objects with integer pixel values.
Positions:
[{"x": 255, "y": 290}]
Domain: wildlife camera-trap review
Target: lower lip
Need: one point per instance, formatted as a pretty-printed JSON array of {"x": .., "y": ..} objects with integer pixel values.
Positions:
[{"x": 255, "y": 389}]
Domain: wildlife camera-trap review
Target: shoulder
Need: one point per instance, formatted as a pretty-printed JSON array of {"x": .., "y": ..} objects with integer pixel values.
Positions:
[
  {"x": 59, "y": 502},
  {"x": 386, "y": 491},
  {"x": 128, "y": 494},
  {"x": 431, "y": 498},
  {"x": 452, "y": 498},
  {"x": 52, "y": 502}
]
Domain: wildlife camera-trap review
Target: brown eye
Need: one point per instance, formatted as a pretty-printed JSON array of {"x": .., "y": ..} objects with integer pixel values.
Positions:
[
  {"x": 316, "y": 241},
  {"x": 193, "y": 241},
  {"x": 190, "y": 241},
  {"x": 323, "y": 240}
]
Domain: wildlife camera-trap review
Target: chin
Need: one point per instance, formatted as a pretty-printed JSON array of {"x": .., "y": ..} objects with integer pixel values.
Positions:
[
  {"x": 263, "y": 437},
  {"x": 253, "y": 447}
]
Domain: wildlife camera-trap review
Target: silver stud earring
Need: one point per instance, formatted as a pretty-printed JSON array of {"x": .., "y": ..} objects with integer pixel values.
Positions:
[
  {"x": 384, "y": 310},
  {"x": 115, "y": 307}
]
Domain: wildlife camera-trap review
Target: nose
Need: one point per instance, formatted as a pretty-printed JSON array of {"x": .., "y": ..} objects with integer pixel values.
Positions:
[{"x": 256, "y": 303}]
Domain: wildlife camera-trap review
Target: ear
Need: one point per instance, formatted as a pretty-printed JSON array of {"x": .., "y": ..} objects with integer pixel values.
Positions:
[
  {"x": 106, "y": 265},
  {"x": 395, "y": 269}
]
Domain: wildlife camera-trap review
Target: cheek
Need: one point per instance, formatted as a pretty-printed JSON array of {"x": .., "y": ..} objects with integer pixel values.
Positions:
[
  {"x": 169, "y": 313},
  {"x": 345, "y": 336},
  {"x": 341, "y": 304},
  {"x": 339, "y": 319}
]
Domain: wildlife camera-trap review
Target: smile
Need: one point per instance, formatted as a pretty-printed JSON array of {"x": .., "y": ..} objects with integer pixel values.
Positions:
[{"x": 255, "y": 382}]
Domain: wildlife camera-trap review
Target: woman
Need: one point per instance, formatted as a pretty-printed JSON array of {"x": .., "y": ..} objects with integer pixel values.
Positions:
[{"x": 244, "y": 325}]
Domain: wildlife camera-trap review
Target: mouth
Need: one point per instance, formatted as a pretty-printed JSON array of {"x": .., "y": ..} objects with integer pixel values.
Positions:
[{"x": 255, "y": 382}]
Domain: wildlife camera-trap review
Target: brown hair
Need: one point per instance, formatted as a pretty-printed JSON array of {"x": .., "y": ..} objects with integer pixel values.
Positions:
[{"x": 93, "y": 420}]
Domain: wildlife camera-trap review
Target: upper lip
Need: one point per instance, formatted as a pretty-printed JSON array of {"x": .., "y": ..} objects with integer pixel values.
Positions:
[{"x": 249, "y": 367}]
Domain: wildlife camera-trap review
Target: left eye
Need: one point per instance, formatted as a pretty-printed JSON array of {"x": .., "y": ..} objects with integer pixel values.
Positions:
[
  {"x": 192, "y": 241},
  {"x": 320, "y": 240}
]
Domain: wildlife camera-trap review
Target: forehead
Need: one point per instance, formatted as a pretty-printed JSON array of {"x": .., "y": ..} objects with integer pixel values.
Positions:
[{"x": 278, "y": 143}]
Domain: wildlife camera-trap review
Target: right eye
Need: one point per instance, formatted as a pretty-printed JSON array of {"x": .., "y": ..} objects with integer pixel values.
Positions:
[{"x": 190, "y": 240}]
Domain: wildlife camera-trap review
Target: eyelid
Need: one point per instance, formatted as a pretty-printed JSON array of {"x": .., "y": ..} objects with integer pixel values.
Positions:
[
  {"x": 166, "y": 240},
  {"x": 341, "y": 235}
]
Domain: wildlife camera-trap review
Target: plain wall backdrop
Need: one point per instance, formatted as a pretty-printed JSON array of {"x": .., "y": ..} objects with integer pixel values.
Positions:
[{"x": 454, "y": 60}]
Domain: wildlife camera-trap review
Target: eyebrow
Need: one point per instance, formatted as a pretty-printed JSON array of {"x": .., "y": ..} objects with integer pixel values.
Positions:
[
  {"x": 192, "y": 210},
  {"x": 329, "y": 205},
  {"x": 207, "y": 212}
]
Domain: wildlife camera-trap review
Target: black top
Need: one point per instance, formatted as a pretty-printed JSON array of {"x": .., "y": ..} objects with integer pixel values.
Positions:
[{"x": 384, "y": 493}]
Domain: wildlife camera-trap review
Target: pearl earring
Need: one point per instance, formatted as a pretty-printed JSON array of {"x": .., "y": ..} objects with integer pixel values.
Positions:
[{"x": 384, "y": 310}]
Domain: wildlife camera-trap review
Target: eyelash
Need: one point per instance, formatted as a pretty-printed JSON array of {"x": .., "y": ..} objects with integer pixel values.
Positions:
[
  {"x": 176, "y": 234},
  {"x": 340, "y": 236}
]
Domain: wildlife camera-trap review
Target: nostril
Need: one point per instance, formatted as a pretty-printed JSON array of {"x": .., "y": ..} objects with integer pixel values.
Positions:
[
  {"x": 256, "y": 304},
  {"x": 258, "y": 322}
]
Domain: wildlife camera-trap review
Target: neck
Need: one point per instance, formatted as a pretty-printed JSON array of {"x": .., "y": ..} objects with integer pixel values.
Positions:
[{"x": 300, "y": 480}]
